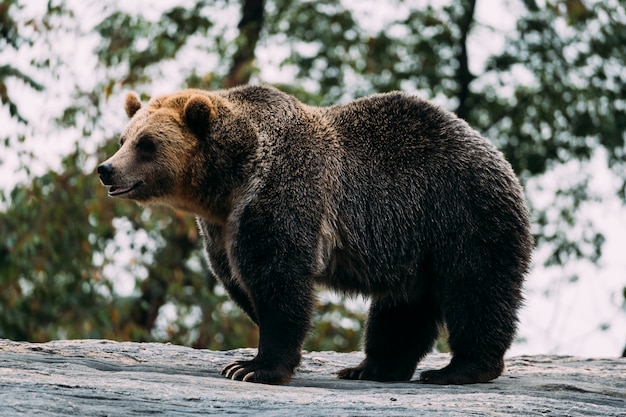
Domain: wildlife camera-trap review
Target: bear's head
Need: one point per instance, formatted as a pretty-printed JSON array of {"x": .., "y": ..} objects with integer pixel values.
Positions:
[{"x": 161, "y": 150}]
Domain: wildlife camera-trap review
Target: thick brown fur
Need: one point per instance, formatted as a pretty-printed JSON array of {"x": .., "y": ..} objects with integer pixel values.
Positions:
[{"x": 387, "y": 196}]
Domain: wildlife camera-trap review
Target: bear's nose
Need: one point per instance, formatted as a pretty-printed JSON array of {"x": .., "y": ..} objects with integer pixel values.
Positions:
[{"x": 105, "y": 171}]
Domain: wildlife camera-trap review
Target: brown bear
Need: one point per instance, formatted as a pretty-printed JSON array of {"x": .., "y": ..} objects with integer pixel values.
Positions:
[{"x": 388, "y": 196}]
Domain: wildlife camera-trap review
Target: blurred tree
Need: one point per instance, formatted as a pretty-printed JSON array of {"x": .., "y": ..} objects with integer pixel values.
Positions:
[
  {"x": 50, "y": 286},
  {"x": 11, "y": 38},
  {"x": 554, "y": 94}
]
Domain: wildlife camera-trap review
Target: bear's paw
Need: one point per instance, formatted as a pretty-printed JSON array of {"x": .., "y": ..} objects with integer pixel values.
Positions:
[{"x": 258, "y": 370}]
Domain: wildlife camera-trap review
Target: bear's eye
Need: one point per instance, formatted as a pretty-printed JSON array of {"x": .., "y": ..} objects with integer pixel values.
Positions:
[{"x": 146, "y": 146}]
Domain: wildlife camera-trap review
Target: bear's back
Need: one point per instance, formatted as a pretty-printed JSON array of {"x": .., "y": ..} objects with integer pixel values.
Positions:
[
  {"x": 416, "y": 175},
  {"x": 396, "y": 144},
  {"x": 397, "y": 130}
]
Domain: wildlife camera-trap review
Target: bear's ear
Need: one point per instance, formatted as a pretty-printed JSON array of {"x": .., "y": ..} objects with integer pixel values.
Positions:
[
  {"x": 132, "y": 104},
  {"x": 198, "y": 112}
]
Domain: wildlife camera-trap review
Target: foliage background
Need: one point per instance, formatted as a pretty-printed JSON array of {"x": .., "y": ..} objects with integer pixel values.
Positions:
[{"x": 548, "y": 86}]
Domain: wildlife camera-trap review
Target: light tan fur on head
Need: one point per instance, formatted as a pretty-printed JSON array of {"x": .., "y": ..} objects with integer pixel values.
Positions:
[{"x": 159, "y": 147}]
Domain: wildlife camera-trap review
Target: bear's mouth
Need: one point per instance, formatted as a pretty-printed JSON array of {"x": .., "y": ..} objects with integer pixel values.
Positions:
[{"x": 116, "y": 190}]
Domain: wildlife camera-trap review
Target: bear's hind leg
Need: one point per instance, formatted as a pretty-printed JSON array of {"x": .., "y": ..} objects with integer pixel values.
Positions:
[
  {"x": 397, "y": 336},
  {"x": 481, "y": 322}
]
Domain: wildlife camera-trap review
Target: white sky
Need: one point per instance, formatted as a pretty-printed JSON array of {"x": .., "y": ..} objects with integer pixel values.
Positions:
[{"x": 560, "y": 317}]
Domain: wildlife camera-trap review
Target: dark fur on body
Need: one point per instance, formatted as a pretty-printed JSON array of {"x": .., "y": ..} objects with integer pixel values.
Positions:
[{"x": 387, "y": 196}]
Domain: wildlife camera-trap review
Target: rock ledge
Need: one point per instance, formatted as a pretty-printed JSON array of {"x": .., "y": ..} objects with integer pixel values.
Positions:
[{"x": 103, "y": 378}]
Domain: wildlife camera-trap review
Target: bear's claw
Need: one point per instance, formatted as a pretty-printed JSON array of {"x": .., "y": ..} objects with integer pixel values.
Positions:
[{"x": 256, "y": 371}]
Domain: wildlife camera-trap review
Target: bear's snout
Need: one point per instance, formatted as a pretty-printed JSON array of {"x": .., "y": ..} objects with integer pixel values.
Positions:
[{"x": 105, "y": 172}]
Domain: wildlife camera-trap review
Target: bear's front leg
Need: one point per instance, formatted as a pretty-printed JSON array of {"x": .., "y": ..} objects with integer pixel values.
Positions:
[
  {"x": 277, "y": 276},
  {"x": 282, "y": 331}
]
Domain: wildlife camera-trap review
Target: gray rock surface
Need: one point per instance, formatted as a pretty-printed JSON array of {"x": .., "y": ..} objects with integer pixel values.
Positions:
[{"x": 104, "y": 378}]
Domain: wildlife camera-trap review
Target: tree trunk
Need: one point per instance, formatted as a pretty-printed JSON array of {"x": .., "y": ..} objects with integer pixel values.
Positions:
[
  {"x": 464, "y": 76},
  {"x": 252, "y": 15}
]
